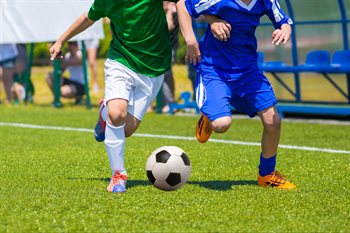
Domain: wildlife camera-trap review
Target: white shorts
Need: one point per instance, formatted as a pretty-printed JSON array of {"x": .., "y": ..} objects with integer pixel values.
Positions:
[{"x": 123, "y": 83}]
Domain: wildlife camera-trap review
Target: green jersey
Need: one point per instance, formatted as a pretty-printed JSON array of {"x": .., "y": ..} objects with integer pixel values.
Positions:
[{"x": 140, "y": 34}]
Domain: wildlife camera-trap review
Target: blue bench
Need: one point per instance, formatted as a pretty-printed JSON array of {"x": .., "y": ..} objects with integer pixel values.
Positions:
[
  {"x": 318, "y": 61},
  {"x": 185, "y": 102}
]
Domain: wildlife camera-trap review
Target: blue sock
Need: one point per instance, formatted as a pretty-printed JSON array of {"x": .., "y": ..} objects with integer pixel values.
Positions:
[{"x": 267, "y": 165}]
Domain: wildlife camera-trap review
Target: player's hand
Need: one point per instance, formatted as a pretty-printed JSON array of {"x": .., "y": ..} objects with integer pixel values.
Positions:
[
  {"x": 281, "y": 35},
  {"x": 56, "y": 51},
  {"x": 193, "y": 54},
  {"x": 220, "y": 29}
]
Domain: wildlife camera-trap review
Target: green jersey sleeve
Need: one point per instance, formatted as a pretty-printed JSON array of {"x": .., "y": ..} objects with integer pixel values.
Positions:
[{"x": 98, "y": 10}]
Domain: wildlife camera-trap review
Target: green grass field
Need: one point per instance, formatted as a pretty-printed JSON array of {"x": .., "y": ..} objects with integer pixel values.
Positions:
[{"x": 55, "y": 180}]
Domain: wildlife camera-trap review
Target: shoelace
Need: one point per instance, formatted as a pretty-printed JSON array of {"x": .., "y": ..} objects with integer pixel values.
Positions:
[
  {"x": 117, "y": 177},
  {"x": 207, "y": 128},
  {"x": 278, "y": 178}
]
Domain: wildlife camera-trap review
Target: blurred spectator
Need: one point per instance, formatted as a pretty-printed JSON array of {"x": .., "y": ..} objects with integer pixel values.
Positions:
[
  {"x": 199, "y": 26},
  {"x": 8, "y": 54},
  {"x": 173, "y": 26},
  {"x": 91, "y": 50},
  {"x": 18, "y": 86},
  {"x": 72, "y": 87}
]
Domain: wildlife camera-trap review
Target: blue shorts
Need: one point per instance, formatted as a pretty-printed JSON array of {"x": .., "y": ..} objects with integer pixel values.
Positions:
[{"x": 249, "y": 94}]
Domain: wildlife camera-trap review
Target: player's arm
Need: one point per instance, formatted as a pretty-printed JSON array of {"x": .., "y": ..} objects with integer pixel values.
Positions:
[
  {"x": 193, "y": 54},
  {"x": 281, "y": 22},
  {"x": 282, "y": 34},
  {"x": 219, "y": 27},
  {"x": 82, "y": 23}
]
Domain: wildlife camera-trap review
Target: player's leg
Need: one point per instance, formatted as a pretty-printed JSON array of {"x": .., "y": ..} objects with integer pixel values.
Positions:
[
  {"x": 268, "y": 176},
  {"x": 118, "y": 83},
  {"x": 259, "y": 98},
  {"x": 115, "y": 142},
  {"x": 212, "y": 96},
  {"x": 127, "y": 97},
  {"x": 271, "y": 133}
]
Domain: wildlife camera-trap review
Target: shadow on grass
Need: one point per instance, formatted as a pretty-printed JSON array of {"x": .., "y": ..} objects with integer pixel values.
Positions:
[
  {"x": 222, "y": 184},
  {"x": 211, "y": 184}
]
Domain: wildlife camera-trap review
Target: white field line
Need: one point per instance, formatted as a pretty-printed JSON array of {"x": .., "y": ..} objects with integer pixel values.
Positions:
[{"x": 293, "y": 147}]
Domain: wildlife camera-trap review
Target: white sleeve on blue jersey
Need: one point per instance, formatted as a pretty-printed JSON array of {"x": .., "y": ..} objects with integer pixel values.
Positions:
[
  {"x": 277, "y": 15},
  {"x": 200, "y": 7}
]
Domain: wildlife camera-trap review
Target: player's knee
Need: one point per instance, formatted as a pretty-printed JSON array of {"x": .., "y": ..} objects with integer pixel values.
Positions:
[
  {"x": 222, "y": 124},
  {"x": 272, "y": 122},
  {"x": 117, "y": 116}
]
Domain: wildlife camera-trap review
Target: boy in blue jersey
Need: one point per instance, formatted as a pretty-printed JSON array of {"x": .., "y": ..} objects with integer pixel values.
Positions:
[{"x": 228, "y": 72}]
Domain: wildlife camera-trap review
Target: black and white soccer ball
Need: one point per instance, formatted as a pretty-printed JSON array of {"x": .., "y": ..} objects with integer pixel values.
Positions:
[{"x": 168, "y": 168}]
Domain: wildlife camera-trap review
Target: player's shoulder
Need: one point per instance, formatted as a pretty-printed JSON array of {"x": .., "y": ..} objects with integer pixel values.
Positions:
[
  {"x": 198, "y": 3},
  {"x": 269, "y": 3}
]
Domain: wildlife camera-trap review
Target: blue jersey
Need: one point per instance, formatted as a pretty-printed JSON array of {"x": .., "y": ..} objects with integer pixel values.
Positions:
[{"x": 238, "y": 55}]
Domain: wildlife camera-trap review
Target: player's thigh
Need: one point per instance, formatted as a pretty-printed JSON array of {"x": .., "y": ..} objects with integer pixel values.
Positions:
[
  {"x": 119, "y": 81},
  {"x": 141, "y": 98},
  {"x": 213, "y": 97},
  {"x": 138, "y": 90},
  {"x": 143, "y": 95}
]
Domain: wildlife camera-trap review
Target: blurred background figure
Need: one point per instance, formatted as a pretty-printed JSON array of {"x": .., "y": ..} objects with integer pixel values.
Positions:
[
  {"x": 91, "y": 51},
  {"x": 8, "y": 54},
  {"x": 18, "y": 86},
  {"x": 173, "y": 26},
  {"x": 72, "y": 87}
]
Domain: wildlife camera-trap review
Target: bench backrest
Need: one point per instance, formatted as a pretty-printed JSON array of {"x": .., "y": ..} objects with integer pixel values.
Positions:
[
  {"x": 318, "y": 58},
  {"x": 341, "y": 58}
]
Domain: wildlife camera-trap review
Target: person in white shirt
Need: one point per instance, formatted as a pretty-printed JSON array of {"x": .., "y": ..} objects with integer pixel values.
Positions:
[{"x": 72, "y": 87}]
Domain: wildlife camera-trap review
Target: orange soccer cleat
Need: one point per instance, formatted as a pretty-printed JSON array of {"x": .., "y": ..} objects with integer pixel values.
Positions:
[
  {"x": 275, "y": 180},
  {"x": 203, "y": 129}
]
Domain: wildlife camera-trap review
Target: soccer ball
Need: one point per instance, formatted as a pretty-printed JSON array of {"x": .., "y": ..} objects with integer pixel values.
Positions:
[{"x": 168, "y": 168}]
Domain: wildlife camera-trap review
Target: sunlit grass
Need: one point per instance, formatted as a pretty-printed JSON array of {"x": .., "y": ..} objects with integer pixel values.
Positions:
[{"x": 55, "y": 181}]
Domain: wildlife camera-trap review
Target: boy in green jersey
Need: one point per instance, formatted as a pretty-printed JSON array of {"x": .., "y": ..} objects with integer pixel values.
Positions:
[{"x": 139, "y": 55}]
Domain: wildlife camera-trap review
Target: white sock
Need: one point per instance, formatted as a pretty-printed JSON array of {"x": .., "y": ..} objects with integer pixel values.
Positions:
[{"x": 115, "y": 144}]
